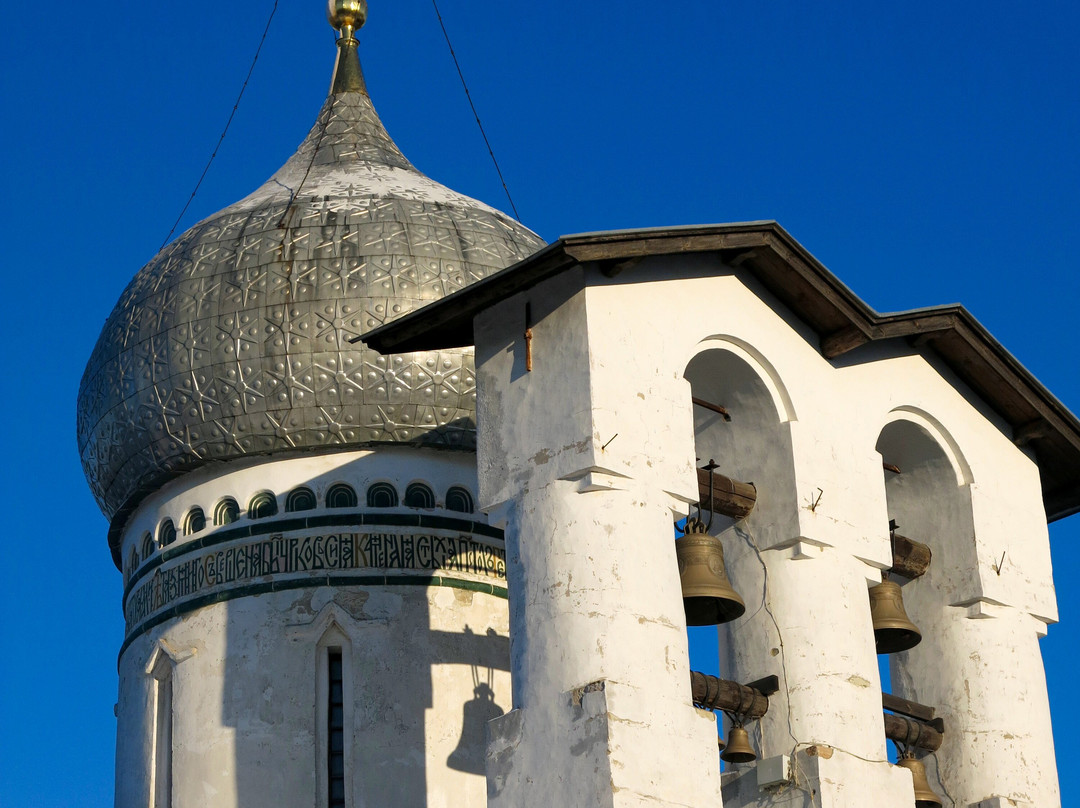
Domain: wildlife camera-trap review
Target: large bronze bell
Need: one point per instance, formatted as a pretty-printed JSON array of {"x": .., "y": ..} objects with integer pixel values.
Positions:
[
  {"x": 924, "y": 795},
  {"x": 738, "y": 748},
  {"x": 893, "y": 631},
  {"x": 708, "y": 597}
]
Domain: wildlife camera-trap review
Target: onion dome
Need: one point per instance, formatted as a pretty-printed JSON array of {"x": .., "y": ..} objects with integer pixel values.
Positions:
[{"x": 234, "y": 340}]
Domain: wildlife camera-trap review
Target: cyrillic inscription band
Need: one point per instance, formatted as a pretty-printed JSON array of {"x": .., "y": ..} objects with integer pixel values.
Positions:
[{"x": 280, "y": 554}]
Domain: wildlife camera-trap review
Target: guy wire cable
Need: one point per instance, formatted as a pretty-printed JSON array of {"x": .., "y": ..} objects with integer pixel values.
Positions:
[
  {"x": 475, "y": 114},
  {"x": 224, "y": 131}
]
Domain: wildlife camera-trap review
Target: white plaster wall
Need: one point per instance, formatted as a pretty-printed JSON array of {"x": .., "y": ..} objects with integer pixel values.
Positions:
[
  {"x": 510, "y": 409},
  {"x": 245, "y": 707},
  {"x": 819, "y": 776},
  {"x": 837, "y": 411},
  {"x": 822, "y": 542},
  {"x": 594, "y": 588}
]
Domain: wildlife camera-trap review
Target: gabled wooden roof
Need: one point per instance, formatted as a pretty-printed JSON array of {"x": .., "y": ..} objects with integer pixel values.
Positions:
[{"x": 843, "y": 321}]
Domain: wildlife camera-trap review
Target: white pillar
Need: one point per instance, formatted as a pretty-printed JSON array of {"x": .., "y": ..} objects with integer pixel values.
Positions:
[
  {"x": 584, "y": 456},
  {"x": 599, "y": 659},
  {"x": 981, "y": 668}
]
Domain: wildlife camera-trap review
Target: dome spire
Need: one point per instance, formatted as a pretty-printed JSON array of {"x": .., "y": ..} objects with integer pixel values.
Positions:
[{"x": 347, "y": 17}]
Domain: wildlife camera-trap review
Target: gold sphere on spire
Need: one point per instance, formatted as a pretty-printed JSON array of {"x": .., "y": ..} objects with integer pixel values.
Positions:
[{"x": 346, "y": 15}]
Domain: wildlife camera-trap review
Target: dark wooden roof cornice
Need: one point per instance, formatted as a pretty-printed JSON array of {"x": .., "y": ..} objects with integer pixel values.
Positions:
[{"x": 843, "y": 321}]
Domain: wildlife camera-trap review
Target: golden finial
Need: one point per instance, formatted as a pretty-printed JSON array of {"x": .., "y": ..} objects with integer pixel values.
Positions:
[{"x": 346, "y": 15}]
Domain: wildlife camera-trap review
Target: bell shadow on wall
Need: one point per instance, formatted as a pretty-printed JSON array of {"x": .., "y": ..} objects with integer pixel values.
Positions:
[
  {"x": 470, "y": 754},
  {"x": 376, "y": 640}
]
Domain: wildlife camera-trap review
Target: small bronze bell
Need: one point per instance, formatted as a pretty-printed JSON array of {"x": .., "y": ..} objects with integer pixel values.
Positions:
[
  {"x": 738, "y": 748},
  {"x": 893, "y": 631},
  {"x": 924, "y": 796},
  {"x": 708, "y": 597}
]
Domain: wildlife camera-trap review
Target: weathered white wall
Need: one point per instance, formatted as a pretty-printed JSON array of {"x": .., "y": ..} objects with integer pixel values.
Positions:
[
  {"x": 425, "y": 665},
  {"x": 246, "y": 711},
  {"x": 598, "y": 642},
  {"x": 606, "y": 408}
]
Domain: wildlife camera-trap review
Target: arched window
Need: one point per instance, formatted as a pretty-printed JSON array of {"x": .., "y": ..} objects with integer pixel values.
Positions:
[
  {"x": 459, "y": 499},
  {"x": 418, "y": 495},
  {"x": 194, "y": 521},
  {"x": 382, "y": 495},
  {"x": 262, "y": 505},
  {"x": 147, "y": 545},
  {"x": 300, "y": 499},
  {"x": 166, "y": 533},
  {"x": 133, "y": 562},
  {"x": 226, "y": 511},
  {"x": 340, "y": 495}
]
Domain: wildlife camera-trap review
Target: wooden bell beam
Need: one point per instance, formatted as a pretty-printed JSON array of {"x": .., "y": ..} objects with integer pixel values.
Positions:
[
  {"x": 909, "y": 732},
  {"x": 729, "y": 497},
  {"x": 911, "y": 558},
  {"x": 913, "y": 724},
  {"x": 748, "y": 701}
]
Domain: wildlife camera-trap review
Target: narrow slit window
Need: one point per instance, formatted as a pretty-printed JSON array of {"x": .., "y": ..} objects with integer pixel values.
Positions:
[
  {"x": 300, "y": 499},
  {"x": 459, "y": 499},
  {"x": 262, "y": 505},
  {"x": 335, "y": 728},
  {"x": 418, "y": 495},
  {"x": 195, "y": 521},
  {"x": 226, "y": 511},
  {"x": 340, "y": 495},
  {"x": 382, "y": 495},
  {"x": 166, "y": 533}
]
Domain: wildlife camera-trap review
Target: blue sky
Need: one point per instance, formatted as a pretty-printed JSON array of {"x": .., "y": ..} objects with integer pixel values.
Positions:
[{"x": 925, "y": 153}]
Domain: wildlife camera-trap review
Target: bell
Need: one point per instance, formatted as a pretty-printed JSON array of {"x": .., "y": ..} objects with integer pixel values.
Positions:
[
  {"x": 708, "y": 596},
  {"x": 893, "y": 631},
  {"x": 924, "y": 796},
  {"x": 738, "y": 748}
]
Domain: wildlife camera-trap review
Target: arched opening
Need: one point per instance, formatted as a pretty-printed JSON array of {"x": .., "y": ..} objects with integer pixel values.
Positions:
[
  {"x": 194, "y": 521},
  {"x": 929, "y": 501},
  {"x": 459, "y": 499},
  {"x": 741, "y": 419},
  {"x": 133, "y": 562},
  {"x": 382, "y": 495},
  {"x": 147, "y": 545},
  {"x": 751, "y": 442},
  {"x": 419, "y": 495},
  {"x": 166, "y": 533},
  {"x": 300, "y": 499},
  {"x": 928, "y": 498},
  {"x": 226, "y": 511},
  {"x": 262, "y": 505},
  {"x": 341, "y": 495}
]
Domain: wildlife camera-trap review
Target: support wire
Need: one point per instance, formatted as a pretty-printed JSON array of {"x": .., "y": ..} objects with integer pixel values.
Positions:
[
  {"x": 475, "y": 114},
  {"x": 224, "y": 131}
]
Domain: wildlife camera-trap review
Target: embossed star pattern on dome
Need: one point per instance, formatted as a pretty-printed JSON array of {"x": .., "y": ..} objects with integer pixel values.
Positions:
[{"x": 234, "y": 339}]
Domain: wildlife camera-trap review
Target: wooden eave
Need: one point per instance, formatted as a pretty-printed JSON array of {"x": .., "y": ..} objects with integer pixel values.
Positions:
[{"x": 788, "y": 271}]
